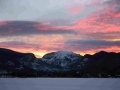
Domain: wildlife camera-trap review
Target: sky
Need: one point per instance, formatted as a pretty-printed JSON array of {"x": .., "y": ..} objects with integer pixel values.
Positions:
[{"x": 44, "y": 26}]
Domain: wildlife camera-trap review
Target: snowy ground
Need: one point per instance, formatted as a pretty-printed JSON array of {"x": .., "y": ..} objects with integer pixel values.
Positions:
[{"x": 59, "y": 84}]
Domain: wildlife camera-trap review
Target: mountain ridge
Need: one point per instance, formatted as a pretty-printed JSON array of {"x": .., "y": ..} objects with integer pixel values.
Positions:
[{"x": 65, "y": 62}]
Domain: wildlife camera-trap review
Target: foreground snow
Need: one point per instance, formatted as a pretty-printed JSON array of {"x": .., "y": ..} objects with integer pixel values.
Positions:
[{"x": 59, "y": 84}]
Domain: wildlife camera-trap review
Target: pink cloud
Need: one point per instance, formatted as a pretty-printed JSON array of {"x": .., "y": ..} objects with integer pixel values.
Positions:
[
  {"x": 102, "y": 21},
  {"x": 75, "y": 10},
  {"x": 3, "y": 23}
]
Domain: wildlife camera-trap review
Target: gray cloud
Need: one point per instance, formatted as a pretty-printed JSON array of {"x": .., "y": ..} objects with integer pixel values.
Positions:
[
  {"x": 13, "y": 43},
  {"x": 16, "y": 44},
  {"x": 95, "y": 42},
  {"x": 27, "y": 27},
  {"x": 113, "y": 2},
  {"x": 91, "y": 45},
  {"x": 105, "y": 36}
]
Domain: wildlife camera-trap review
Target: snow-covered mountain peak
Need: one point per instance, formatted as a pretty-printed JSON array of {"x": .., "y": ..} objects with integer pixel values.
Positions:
[{"x": 61, "y": 58}]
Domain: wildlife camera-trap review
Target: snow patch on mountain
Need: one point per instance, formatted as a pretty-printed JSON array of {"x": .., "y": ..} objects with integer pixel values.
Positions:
[
  {"x": 64, "y": 54},
  {"x": 10, "y": 63},
  {"x": 20, "y": 68}
]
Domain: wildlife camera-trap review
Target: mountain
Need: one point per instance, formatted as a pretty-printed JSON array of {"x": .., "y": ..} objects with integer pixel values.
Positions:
[
  {"x": 103, "y": 63},
  {"x": 60, "y": 63},
  {"x": 13, "y": 61},
  {"x": 62, "y": 60}
]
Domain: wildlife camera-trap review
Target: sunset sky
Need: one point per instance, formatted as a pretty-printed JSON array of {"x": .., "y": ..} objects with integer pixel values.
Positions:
[{"x": 43, "y": 26}]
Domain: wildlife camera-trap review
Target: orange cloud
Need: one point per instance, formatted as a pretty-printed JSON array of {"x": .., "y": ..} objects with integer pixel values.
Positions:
[{"x": 83, "y": 48}]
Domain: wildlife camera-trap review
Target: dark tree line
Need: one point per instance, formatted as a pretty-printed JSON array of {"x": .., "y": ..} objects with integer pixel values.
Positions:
[{"x": 69, "y": 74}]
